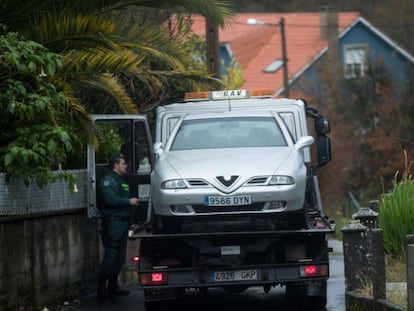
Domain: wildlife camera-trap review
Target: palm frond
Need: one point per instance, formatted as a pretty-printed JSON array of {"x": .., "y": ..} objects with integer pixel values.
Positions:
[
  {"x": 157, "y": 43},
  {"x": 110, "y": 86},
  {"x": 95, "y": 61},
  {"x": 193, "y": 79},
  {"x": 63, "y": 32},
  {"x": 76, "y": 109},
  {"x": 82, "y": 117},
  {"x": 217, "y": 11},
  {"x": 99, "y": 50}
]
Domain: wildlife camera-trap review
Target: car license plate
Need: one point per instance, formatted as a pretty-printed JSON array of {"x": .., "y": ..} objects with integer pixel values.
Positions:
[
  {"x": 238, "y": 275},
  {"x": 228, "y": 200}
]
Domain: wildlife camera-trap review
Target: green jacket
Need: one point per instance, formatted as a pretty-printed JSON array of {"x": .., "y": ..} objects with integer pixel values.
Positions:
[{"x": 115, "y": 192}]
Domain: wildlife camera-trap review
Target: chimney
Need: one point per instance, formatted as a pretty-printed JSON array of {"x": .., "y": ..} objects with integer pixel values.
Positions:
[
  {"x": 329, "y": 27},
  {"x": 329, "y": 22}
]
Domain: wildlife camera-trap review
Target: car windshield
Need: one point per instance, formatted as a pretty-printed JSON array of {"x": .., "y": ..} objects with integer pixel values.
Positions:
[{"x": 232, "y": 132}]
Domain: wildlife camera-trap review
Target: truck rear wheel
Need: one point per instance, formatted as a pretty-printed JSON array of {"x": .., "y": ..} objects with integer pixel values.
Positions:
[
  {"x": 298, "y": 295},
  {"x": 153, "y": 305},
  {"x": 316, "y": 302}
]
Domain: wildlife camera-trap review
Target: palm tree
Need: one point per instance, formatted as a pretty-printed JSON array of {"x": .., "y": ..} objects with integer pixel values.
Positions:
[{"x": 100, "y": 51}]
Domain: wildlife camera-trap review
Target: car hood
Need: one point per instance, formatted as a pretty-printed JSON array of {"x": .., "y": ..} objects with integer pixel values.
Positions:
[{"x": 243, "y": 162}]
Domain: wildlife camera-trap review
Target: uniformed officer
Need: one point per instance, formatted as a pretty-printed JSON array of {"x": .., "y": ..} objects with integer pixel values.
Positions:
[{"x": 116, "y": 211}]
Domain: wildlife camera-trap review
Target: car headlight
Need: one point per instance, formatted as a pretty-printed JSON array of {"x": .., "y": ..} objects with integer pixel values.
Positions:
[
  {"x": 281, "y": 180},
  {"x": 173, "y": 184}
]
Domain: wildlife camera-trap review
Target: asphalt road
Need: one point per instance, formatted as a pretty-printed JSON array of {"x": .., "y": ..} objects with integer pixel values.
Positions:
[{"x": 219, "y": 300}]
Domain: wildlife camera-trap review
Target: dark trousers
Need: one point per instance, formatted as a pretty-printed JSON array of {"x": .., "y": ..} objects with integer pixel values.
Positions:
[{"x": 114, "y": 238}]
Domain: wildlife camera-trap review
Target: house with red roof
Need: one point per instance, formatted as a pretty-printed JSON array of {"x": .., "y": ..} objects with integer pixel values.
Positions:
[{"x": 254, "y": 40}]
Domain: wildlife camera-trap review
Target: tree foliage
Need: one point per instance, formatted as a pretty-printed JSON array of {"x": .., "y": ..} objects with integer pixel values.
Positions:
[
  {"x": 107, "y": 43},
  {"x": 371, "y": 118},
  {"x": 37, "y": 123},
  {"x": 114, "y": 57},
  {"x": 234, "y": 77}
]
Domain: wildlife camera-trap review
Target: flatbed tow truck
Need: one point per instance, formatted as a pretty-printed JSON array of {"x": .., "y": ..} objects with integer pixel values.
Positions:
[
  {"x": 230, "y": 257},
  {"x": 170, "y": 263}
]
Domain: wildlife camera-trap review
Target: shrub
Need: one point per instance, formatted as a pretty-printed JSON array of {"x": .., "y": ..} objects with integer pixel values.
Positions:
[
  {"x": 37, "y": 119},
  {"x": 397, "y": 214}
]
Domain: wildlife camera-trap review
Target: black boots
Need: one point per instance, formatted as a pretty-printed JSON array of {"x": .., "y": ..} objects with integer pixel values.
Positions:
[
  {"x": 101, "y": 292},
  {"x": 118, "y": 292},
  {"x": 113, "y": 287},
  {"x": 107, "y": 293},
  {"x": 103, "y": 295}
]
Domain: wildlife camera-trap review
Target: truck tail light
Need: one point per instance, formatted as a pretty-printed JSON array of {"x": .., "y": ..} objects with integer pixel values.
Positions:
[
  {"x": 157, "y": 277},
  {"x": 313, "y": 271},
  {"x": 153, "y": 278},
  {"x": 310, "y": 270}
]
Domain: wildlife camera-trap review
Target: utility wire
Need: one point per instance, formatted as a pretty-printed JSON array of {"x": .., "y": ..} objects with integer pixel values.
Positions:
[
  {"x": 319, "y": 26},
  {"x": 401, "y": 8}
]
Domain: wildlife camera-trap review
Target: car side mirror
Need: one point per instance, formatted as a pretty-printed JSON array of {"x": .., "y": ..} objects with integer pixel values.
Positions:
[
  {"x": 158, "y": 148},
  {"x": 304, "y": 141},
  {"x": 323, "y": 148}
]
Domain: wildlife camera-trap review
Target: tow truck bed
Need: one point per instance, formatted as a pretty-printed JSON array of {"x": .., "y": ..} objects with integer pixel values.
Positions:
[
  {"x": 136, "y": 234},
  {"x": 171, "y": 263}
]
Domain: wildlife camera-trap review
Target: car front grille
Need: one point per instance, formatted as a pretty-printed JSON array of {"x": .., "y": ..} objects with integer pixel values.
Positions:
[
  {"x": 258, "y": 181},
  {"x": 202, "y": 209},
  {"x": 197, "y": 183}
]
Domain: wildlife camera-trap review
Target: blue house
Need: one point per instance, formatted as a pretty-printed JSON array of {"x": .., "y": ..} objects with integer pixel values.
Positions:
[{"x": 347, "y": 40}]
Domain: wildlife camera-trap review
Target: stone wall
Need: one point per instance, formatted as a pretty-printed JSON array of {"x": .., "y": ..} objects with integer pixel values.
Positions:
[
  {"x": 40, "y": 256},
  {"x": 49, "y": 248},
  {"x": 51, "y": 255}
]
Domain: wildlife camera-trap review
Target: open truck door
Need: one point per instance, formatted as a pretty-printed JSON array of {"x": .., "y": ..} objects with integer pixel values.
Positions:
[{"x": 121, "y": 134}]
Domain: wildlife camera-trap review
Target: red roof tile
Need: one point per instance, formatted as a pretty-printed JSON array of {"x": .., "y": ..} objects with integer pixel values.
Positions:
[{"x": 257, "y": 46}]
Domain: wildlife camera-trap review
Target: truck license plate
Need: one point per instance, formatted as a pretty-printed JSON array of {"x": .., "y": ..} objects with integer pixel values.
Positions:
[
  {"x": 239, "y": 275},
  {"x": 228, "y": 201}
]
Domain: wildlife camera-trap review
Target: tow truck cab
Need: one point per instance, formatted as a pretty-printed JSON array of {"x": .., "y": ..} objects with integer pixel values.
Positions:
[{"x": 121, "y": 134}]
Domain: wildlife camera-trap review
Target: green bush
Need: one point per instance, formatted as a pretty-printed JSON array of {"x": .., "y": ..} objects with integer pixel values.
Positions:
[
  {"x": 397, "y": 216},
  {"x": 37, "y": 120},
  {"x": 109, "y": 143}
]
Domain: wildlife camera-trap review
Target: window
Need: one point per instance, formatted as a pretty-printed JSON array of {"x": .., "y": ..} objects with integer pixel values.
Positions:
[
  {"x": 356, "y": 64},
  {"x": 273, "y": 67},
  {"x": 241, "y": 132},
  {"x": 289, "y": 119},
  {"x": 226, "y": 59}
]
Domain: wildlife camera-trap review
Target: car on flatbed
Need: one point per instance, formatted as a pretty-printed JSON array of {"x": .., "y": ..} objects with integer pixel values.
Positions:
[
  {"x": 230, "y": 166},
  {"x": 231, "y": 159}
]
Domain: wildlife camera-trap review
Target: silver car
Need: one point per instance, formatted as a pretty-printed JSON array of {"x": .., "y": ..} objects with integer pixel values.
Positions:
[{"x": 230, "y": 168}]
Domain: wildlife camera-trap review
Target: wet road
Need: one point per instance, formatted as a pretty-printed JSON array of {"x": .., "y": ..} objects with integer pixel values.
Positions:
[{"x": 251, "y": 299}]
